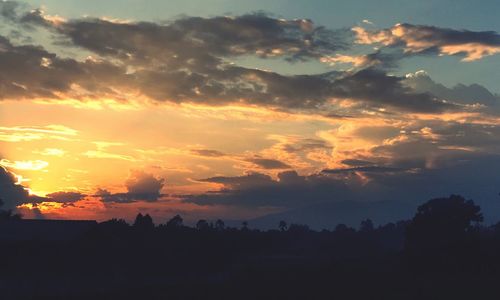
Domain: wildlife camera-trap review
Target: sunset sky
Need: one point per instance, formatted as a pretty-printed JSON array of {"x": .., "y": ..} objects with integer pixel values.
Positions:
[{"x": 241, "y": 109}]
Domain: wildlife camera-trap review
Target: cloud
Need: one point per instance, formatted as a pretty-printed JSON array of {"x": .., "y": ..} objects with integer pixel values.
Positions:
[
  {"x": 32, "y": 72},
  {"x": 378, "y": 89},
  {"x": 266, "y": 163},
  {"x": 365, "y": 188},
  {"x": 421, "y": 39},
  {"x": 364, "y": 169},
  {"x": 13, "y": 193},
  {"x": 140, "y": 186},
  {"x": 207, "y": 152},
  {"x": 189, "y": 60},
  {"x": 107, "y": 155},
  {"x": 356, "y": 61},
  {"x": 260, "y": 190},
  {"x": 65, "y": 197},
  {"x": 376, "y": 59},
  {"x": 200, "y": 38},
  {"x": 34, "y": 165},
  {"x": 418, "y": 145},
  {"x": 249, "y": 180},
  {"x": 260, "y": 162},
  {"x": 296, "y": 145},
  {"x": 10, "y": 9},
  {"x": 20, "y": 133},
  {"x": 388, "y": 198},
  {"x": 357, "y": 162},
  {"x": 164, "y": 70},
  {"x": 52, "y": 152}
]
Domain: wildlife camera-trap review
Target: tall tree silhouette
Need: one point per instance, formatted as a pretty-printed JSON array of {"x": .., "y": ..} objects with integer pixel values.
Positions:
[
  {"x": 175, "y": 222},
  {"x": 366, "y": 226},
  {"x": 143, "y": 222},
  {"x": 244, "y": 225},
  {"x": 202, "y": 225},
  {"x": 282, "y": 225},
  {"x": 442, "y": 222},
  {"x": 219, "y": 225}
]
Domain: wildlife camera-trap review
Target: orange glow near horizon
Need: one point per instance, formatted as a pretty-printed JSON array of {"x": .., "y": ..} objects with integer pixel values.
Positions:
[{"x": 71, "y": 147}]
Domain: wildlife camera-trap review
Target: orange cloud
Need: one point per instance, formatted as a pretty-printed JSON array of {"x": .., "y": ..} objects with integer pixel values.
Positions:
[{"x": 418, "y": 39}]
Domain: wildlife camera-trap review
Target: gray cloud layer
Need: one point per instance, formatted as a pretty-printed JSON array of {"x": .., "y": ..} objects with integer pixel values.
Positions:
[
  {"x": 260, "y": 190},
  {"x": 188, "y": 60}
]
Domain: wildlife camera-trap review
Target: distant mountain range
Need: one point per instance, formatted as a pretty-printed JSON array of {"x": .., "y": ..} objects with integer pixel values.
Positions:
[{"x": 329, "y": 215}]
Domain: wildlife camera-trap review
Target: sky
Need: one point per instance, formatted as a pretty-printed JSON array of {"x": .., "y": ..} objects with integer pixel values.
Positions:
[{"x": 247, "y": 110}]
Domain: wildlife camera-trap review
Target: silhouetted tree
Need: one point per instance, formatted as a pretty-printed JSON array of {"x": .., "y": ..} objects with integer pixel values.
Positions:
[
  {"x": 175, "y": 222},
  {"x": 138, "y": 219},
  {"x": 366, "y": 226},
  {"x": 442, "y": 222},
  {"x": 219, "y": 225},
  {"x": 143, "y": 222},
  {"x": 282, "y": 225},
  {"x": 245, "y": 225},
  {"x": 202, "y": 225}
]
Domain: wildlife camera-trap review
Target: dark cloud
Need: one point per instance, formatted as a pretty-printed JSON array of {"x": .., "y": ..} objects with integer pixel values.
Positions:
[
  {"x": 260, "y": 190},
  {"x": 250, "y": 180},
  {"x": 32, "y": 72},
  {"x": 187, "y": 60},
  {"x": 266, "y": 163},
  {"x": 65, "y": 197},
  {"x": 356, "y": 162},
  {"x": 379, "y": 89},
  {"x": 306, "y": 145},
  {"x": 208, "y": 153},
  {"x": 12, "y": 193},
  {"x": 140, "y": 187},
  {"x": 383, "y": 60},
  {"x": 202, "y": 38},
  {"x": 364, "y": 169}
]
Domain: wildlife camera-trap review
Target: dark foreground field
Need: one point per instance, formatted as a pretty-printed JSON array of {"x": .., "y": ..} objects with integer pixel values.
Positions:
[{"x": 442, "y": 253}]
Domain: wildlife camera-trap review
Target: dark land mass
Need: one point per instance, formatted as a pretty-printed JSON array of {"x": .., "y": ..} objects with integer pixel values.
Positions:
[{"x": 443, "y": 252}]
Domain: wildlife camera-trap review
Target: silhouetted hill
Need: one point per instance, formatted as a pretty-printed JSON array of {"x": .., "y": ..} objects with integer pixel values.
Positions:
[{"x": 328, "y": 215}]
